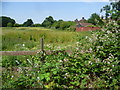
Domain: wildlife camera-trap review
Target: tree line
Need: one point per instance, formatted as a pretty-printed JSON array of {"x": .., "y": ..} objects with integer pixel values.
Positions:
[{"x": 49, "y": 22}]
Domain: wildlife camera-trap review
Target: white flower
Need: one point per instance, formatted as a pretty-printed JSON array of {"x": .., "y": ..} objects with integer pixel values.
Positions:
[
  {"x": 38, "y": 78},
  {"x": 108, "y": 32},
  {"x": 64, "y": 77},
  {"x": 23, "y": 45},
  {"x": 89, "y": 62},
  {"x": 90, "y": 39},
  {"x": 65, "y": 60},
  {"x": 77, "y": 42},
  {"x": 66, "y": 74},
  {"x": 59, "y": 47},
  {"x": 113, "y": 65},
  {"x": 108, "y": 62},
  {"x": 90, "y": 49},
  {"x": 98, "y": 60},
  {"x": 86, "y": 37},
  {"x": 76, "y": 74},
  {"x": 98, "y": 46},
  {"x": 60, "y": 61},
  {"x": 77, "y": 48}
]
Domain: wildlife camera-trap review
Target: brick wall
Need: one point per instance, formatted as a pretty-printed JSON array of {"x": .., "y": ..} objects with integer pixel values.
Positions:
[{"x": 78, "y": 29}]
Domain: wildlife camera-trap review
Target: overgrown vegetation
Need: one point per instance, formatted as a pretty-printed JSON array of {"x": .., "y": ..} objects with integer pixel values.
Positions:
[
  {"x": 27, "y": 38},
  {"x": 94, "y": 63}
]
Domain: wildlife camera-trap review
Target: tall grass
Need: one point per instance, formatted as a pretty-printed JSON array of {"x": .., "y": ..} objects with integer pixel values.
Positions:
[{"x": 13, "y": 38}]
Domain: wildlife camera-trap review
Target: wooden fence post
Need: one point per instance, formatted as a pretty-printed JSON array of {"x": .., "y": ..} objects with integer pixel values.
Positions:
[
  {"x": 42, "y": 44},
  {"x": 42, "y": 49}
]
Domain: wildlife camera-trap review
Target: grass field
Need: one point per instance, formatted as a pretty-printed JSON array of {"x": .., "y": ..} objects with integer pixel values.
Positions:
[{"x": 28, "y": 38}]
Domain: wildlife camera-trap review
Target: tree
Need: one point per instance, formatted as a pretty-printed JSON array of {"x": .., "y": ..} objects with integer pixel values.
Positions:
[
  {"x": 5, "y": 20},
  {"x": 106, "y": 9},
  {"x": 28, "y": 23},
  {"x": 36, "y": 25},
  {"x": 17, "y": 25},
  {"x": 48, "y": 22},
  {"x": 9, "y": 24},
  {"x": 95, "y": 19},
  {"x": 112, "y": 10}
]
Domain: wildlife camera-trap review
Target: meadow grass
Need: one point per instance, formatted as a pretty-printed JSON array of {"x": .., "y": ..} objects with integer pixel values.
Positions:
[{"x": 27, "y": 38}]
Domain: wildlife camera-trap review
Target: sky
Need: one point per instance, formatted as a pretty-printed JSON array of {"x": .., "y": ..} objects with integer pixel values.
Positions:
[{"x": 38, "y": 11}]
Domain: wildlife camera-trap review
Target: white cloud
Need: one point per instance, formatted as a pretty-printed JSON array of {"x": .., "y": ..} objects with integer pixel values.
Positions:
[{"x": 55, "y": 0}]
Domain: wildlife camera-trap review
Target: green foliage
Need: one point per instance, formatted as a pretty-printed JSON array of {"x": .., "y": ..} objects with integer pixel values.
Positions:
[
  {"x": 64, "y": 25},
  {"x": 91, "y": 26},
  {"x": 17, "y": 25},
  {"x": 93, "y": 63},
  {"x": 28, "y": 23},
  {"x": 36, "y": 25},
  {"x": 60, "y": 24},
  {"x": 48, "y": 21},
  {"x": 95, "y": 19},
  {"x": 9, "y": 24},
  {"x": 5, "y": 20},
  {"x": 112, "y": 11},
  {"x": 26, "y": 38}
]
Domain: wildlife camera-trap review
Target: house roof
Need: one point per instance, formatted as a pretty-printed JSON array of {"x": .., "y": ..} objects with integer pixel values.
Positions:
[
  {"x": 82, "y": 23},
  {"x": 83, "y": 20},
  {"x": 85, "y": 24}
]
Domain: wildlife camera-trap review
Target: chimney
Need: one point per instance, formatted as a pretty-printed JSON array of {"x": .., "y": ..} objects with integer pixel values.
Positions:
[{"x": 83, "y": 18}]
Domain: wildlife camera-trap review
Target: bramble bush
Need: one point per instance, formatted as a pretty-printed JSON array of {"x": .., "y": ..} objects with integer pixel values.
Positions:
[
  {"x": 94, "y": 63},
  {"x": 91, "y": 65},
  {"x": 107, "y": 50}
]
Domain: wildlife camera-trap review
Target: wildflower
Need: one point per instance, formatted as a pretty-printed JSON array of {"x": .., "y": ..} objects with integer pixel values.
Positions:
[
  {"x": 89, "y": 62},
  {"x": 60, "y": 61},
  {"x": 108, "y": 62},
  {"x": 86, "y": 37},
  {"x": 113, "y": 65},
  {"x": 59, "y": 47},
  {"x": 98, "y": 60},
  {"x": 65, "y": 60},
  {"x": 23, "y": 45},
  {"x": 90, "y": 49},
  {"x": 82, "y": 51},
  {"x": 77, "y": 48},
  {"x": 98, "y": 46},
  {"x": 108, "y": 32},
  {"x": 90, "y": 39},
  {"x": 77, "y": 42},
  {"x": 66, "y": 74},
  {"x": 38, "y": 78},
  {"x": 64, "y": 77},
  {"x": 76, "y": 74}
]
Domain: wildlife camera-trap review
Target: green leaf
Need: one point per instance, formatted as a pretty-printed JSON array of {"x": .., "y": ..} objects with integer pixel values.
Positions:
[
  {"x": 42, "y": 76},
  {"x": 54, "y": 72},
  {"x": 48, "y": 78}
]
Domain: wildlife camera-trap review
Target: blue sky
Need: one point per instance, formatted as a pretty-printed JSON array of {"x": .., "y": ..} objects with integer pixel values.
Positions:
[{"x": 38, "y": 11}]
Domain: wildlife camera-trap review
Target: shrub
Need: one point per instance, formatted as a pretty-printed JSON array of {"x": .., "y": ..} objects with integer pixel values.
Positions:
[{"x": 9, "y": 25}]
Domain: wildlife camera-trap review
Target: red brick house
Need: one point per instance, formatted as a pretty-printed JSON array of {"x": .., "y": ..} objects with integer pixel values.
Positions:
[{"x": 83, "y": 26}]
